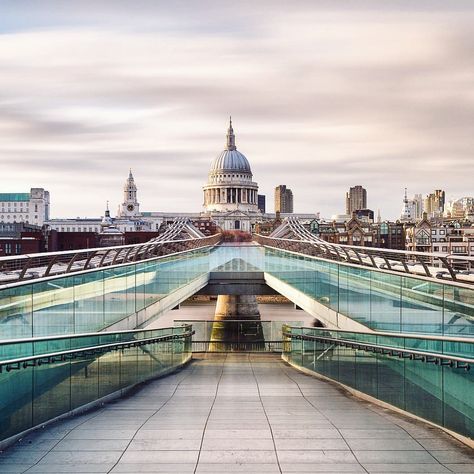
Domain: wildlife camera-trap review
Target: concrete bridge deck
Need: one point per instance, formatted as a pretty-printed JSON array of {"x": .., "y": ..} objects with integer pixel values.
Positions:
[{"x": 238, "y": 413}]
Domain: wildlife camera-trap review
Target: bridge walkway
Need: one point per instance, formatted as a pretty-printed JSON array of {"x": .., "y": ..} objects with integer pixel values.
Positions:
[{"x": 232, "y": 413}]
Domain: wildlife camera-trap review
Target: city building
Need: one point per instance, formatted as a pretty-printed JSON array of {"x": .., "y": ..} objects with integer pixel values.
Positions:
[
  {"x": 356, "y": 199},
  {"x": 110, "y": 235},
  {"x": 390, "y": 235},
  {"x": 434, "y": 204},
  {"x": 354, "y": 231},
  {"x": 418, "y": 235},
  {"x": 18, "y": 238},
  {"x": 412, "y": 209},
  {"x": 30, "y": 208},
  {"x": 261, "y": 203},
  {"x": 460, "y": 209},
  {"x": 366, "y": 215},
  {"x": 130, "y": 206},
  {"x": 283, "y": 199},
  {"x": 231, "y": 201},
  {"x": 231, "y": 195}
]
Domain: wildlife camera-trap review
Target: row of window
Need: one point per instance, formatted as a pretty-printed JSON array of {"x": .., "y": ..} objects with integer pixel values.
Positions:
[
  {"x": 78, "y": 229},
  {"x": 15, "y": 218},
  {"x": 8, "y": 248},
  {"x": 454, "y": 249},
  {"x": 7, "y": 205},
  {"x": 95, "y": 229}
]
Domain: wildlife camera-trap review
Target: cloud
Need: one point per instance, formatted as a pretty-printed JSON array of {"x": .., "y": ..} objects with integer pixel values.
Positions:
[{"x": 323, "y": 97}]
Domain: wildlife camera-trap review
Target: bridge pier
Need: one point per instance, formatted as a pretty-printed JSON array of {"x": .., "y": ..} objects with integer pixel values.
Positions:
[{"x": 236, "y": 322}]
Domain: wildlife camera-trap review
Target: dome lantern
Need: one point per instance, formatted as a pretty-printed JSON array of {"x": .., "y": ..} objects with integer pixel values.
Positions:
[{"x": 230, "y": 136}]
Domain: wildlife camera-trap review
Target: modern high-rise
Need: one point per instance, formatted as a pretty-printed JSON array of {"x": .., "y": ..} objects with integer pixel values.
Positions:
[
  {"x": 261, "y": 203},
  {"x": 283, "y": 199},
  {"x": 434, "y": 203},
  {"x": 356, "y": 199}
]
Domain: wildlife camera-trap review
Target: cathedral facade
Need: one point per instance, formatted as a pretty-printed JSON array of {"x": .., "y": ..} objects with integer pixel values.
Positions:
[{"x": 231, "y": 195}]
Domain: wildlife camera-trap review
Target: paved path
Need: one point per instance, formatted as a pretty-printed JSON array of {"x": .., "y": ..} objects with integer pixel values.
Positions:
[{"x": 238, "y": 413}]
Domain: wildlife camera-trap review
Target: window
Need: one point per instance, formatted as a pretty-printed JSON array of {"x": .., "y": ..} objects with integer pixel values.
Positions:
[
  {"x": 8, "y": 249},
  {"x": 17, "y": 248},
  {"x": 442, "y": 232},
  {"x": 435, "y": 249},
  {"x": 445, "y": 249}
]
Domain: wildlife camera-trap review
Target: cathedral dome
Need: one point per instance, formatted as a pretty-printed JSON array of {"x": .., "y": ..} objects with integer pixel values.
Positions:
[
  {"x": 230, "y": 160},
  {"x": 230, "y": 188}
]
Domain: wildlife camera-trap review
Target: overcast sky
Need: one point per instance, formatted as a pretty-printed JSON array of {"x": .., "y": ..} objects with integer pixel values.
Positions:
[{"x": 324, "y": 95}]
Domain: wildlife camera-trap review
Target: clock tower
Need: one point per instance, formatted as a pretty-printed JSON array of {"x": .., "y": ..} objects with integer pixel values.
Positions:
[{"x": 130, "y": 205}]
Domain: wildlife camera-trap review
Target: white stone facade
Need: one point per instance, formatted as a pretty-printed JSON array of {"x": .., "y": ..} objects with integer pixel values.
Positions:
[
  {"x": 30, "y": 208},
  {"x": 130, "y": 206}
]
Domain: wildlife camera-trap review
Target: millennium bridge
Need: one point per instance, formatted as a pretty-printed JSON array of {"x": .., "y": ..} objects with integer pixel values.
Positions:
[{"x": 382, "y": 383}]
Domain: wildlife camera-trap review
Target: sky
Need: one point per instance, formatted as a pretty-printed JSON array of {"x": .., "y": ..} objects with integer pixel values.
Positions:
[{"x": 324, "y": 95}]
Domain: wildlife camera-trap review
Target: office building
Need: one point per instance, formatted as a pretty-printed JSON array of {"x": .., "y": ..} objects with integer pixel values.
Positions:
[
  {"x": 283, "y": 199},
  {"x": 356, "y": 199}
]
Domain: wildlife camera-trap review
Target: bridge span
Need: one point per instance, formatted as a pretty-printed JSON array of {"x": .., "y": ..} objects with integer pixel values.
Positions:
[{"x": 73, "y": 336}]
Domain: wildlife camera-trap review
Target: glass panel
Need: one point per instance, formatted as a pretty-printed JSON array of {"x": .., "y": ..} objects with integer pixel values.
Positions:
[
  {"x": 53, "y": 307},
  {"x": 16, "y": 408},
  {"x": 51, "y": 391},
  {"x": 84, "y": 380},
  {"x": 16, "y": 312},
  {"x": 89, "y": 302}
]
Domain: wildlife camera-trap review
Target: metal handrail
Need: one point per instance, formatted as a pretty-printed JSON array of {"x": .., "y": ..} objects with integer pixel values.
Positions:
[
  {"x": 40, "y": 359},
  {"x": 370, "y": 249},
  {"x": 399, "y": 261},
  {"x": 430, "y": 337},
  {"x": 50, "y": 264},
  {"x": 423, "y": 356},
  {"x": 83, "y": 334}
]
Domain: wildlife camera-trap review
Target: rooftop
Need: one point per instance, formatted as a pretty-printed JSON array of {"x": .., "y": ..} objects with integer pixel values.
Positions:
[{"x": 14, "y": 197}]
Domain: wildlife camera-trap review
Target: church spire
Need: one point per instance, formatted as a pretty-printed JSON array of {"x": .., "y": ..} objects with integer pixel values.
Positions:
[{"x": 231, "y": 136}]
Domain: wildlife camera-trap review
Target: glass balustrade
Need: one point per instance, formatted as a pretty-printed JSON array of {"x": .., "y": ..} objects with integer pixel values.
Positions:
[
  {"x": 93, "y": 300},
  {"x": 436, "y": 392},
  {"x": 31, "y": 395}
]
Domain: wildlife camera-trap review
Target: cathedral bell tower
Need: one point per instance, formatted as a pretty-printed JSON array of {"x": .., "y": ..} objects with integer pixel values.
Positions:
[{"x": 130, "y": 205}]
